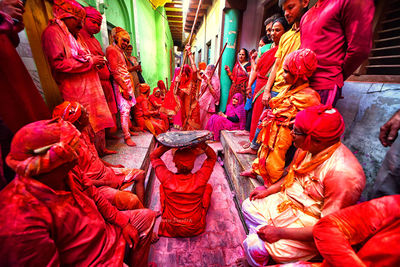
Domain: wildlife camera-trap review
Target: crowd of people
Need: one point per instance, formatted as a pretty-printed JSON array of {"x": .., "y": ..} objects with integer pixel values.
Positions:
[{"x": 67, "y": 201}]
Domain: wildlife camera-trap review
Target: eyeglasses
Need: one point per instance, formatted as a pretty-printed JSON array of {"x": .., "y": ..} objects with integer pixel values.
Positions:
[{"x": 297, "y": 132}]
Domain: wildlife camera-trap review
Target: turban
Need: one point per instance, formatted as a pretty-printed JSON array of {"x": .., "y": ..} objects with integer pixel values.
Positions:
[
  {"x": 92, "y": 13},
  {"x": 202, "y": 65},
  {"x": 322, "y": 123},
  {"x": 185, "y": 157},
  {"x": 68, "y": 9},
  {"x": 69, "y": 111},
  {"x": 119, "y": 32},
  {"x": 301, "y": 63},
  {"x": 42, "y": 146},
  {"x": 144, "y": 88},
  {"x": 161, "y": 85}
]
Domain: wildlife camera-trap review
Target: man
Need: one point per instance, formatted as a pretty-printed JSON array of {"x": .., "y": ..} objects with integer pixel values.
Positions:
[
  {"x": 290, "y": 41},
  {"x": 148, "y": 119},
  {"x": 387, "y": 181},
  {"x": 74, "y": 68},
  {"x": 185, "y": 196},
  {"x": 373, "y": 227},
  {"x": 92, "y": 26},
  {"x": 134, "y": 68},
  {"x": 56, "y": 220},
  {"x": 268, "y": 26},
  {"x": 123, "y": 84},
  {"x": 110, "y": 178},
  {"x": 323, "y": 177},
  {"x": 340, "y": 33}
]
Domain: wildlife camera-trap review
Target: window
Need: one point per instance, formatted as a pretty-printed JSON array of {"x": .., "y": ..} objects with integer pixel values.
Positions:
[{"x": 208, "y": 47}]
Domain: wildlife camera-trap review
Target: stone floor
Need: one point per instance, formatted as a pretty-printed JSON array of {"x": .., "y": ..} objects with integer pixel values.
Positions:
[{"x": 220, "y": 244}]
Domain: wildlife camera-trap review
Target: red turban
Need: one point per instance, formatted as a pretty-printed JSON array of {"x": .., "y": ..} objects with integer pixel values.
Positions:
[
  {"x": 69, "y": 111},
  {"x": 68, "y": 9},
  {"x": 322, "y": 123},
  {"x": 301, "y": 63},
  {"x": 144, "y": 88},
  {"x": 42, "y": 146},
  {"x": 202, "y": 65},
  {"x": 185, "y": 157},
  {"x": 92, "y": 13}
]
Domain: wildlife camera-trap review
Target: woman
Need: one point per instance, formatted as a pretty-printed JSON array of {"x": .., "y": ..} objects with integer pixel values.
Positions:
[
  {"x": 234, "y": 119},
  {"x": 209, "y": 94},
  {"x": 240, "y": 74},
  {"x": 262, "y": 70},
  {"x": 155, "y": 100}
]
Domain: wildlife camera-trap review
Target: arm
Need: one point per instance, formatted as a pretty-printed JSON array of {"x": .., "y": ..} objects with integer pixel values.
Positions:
[
  {"x": 270, "y": 83},
  {"x": 208, "y": 165},
  {"x": 272, "y": 234},
  {"x": 357, "y": 24},
  {"x": 390, "y": 129},
  {"x": 54, "y": 48},
  {"x": 158, "y": 164}
]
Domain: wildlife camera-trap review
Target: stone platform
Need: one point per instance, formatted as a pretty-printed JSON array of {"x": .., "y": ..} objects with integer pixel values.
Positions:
[
  {"x": 220, "y": 244},
  {"x": 235, "y": 163}
]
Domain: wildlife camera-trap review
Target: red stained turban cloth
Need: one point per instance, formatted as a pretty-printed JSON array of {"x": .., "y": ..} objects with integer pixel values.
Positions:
[
  {"x": 68, "y": 9},
  {"x": 69, "y": 111},
  {"x": 301, "y": 63}
]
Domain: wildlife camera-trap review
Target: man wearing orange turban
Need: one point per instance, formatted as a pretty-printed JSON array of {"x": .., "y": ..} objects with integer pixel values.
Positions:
[
  {"x": 54, "y": 219},
  {"x": 123, "y": 84},
  {"x": 74, "y": 68},
  {"x": 275, "y": 135},
  {"x": 323, "y": 177},
  {"x": 111, "y": 179},
  {"x": 185, "y": 196},
  {"x": 148, "y": 119},
  {"x": 91, "y": 26}
]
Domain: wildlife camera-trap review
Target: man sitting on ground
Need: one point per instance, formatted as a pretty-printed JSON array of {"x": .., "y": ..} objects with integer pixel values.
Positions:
[
  {"x": 108, "y": 177},
  {"x": 54, "y": 219},
  {"x": 185, "y": 196},
  {"x": 323, "y": 177}
]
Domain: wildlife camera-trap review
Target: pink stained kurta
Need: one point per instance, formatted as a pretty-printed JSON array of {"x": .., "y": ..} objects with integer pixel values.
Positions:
[
  {"x": 340, "y": 34},
  {"x": 77, "y": 79},
  {"x": 44, "y": 227},
  {"x": 207, "y": 101},
  {"x": 104, "y": 74},
  {"x": 335, "y": 184}
]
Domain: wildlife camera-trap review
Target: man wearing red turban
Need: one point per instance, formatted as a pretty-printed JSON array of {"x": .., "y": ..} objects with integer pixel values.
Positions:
[
  {"x": 185, "y": 196},
  {"x": 323, "y": 177},
  {"x": 274, "y": 137},
  {"x": 123, "y": 84},
  {"x": 110, "y": 179},
  {"x": 148, "y": 119},
  {"x": 73, "y": 67},
  {"x": 54, "y": 219},
  {"x": 92, "y": 26}
]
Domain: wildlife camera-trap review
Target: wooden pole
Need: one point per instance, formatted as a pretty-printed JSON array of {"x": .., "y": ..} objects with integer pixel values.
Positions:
[{"x": 219, "y": 59}]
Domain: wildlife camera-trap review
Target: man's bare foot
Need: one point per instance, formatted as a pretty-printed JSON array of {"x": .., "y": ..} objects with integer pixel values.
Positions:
[
  {"x": 129, "y": 142},
  {"x": 242, "y": 262},
  {"x": 154, "y": 238},
  {"x": 241, "y": 133},
  {"x": 248, "y": 173},
  {"x": 108, "y": 152},
  {"x": 248, "y": 150}
]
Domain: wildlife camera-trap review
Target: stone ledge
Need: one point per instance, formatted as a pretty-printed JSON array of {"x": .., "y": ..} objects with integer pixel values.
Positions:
[{"x": 235, "y": 163}]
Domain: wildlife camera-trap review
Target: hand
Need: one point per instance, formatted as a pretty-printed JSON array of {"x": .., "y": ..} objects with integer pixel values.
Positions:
[
  {"x": 254, "y": 55},
  {"x": 126, "y": 95},
  {"x": 259, "y": 192},
  {"x": 138, "y": 68},
  {"x": 389, "y": 130},
  {"x": 14, "y": 8},
  {"x": 188, "y": 49},
  {"x": 270, "y": 234},
  {"x": 221, "y": 113},
  {"x": 98, "y": 61},
  {"x": 266, "y": 97},
  {"x": 248, "y": 92},
  {"x": 227, "y": 69},
  {"x": 130, "y": 235}
]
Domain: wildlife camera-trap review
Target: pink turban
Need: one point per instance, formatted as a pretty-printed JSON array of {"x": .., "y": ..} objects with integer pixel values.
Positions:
[
  {"x": 92, "y": 13},
  {"x": 42, "y": 146},
  {"x": 68, "y": 111},
  {"x": 322, "y": 123},
  {"x": 301, "y": 63},
  {"x": 68, "y": 9}
]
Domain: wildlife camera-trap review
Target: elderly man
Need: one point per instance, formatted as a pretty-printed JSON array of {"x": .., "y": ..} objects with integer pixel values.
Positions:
[
  {"x": 73, "y": 66},
  {"x": 110, "y": 178},
  {"x": 340, "y": 33},
  {"x": 323, "y": 177},
  {"x": 123, "y": 83},
  {"x": 54, "y": 219},
  {"x": 92, "y": 26}
]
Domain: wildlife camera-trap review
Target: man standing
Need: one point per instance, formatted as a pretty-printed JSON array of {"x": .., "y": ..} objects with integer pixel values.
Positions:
[
  {"x": 92, "y": 26},
  {"x": 340, "y": 34},
  {"x": 73, "y": 67},
  {"x": 123, "y": 84}
]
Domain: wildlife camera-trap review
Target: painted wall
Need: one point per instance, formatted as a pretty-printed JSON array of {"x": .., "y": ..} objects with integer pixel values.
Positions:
[{"x": 250, "y": 32}]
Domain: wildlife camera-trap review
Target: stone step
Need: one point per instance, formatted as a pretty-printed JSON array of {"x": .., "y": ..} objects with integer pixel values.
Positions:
[{"x": 235, "y": 163}]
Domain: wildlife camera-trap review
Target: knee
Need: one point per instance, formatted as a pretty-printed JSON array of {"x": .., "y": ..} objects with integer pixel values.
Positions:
[{"x": 125, "y": 200}]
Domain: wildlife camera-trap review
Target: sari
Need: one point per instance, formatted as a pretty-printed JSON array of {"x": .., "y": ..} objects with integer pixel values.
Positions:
[
  {"x": 207, "y": 100},
  {"x": 240, "y": 78},
  {"x": 218, "y": 123}
]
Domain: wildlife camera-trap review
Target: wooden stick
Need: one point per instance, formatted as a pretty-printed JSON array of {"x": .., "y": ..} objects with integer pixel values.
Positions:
[
  {"x": 166, "y": 85},
  {"x": 219, "y": 59}
]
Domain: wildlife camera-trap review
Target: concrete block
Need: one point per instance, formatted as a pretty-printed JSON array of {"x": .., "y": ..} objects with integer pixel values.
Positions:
[
  {"x": 391, "y": 86},
  {"x": 375, "y": 87}
]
